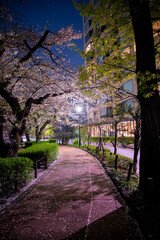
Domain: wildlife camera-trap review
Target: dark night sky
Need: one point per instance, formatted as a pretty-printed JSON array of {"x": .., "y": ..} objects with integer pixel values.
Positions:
[{"x": 59, "y": 13}]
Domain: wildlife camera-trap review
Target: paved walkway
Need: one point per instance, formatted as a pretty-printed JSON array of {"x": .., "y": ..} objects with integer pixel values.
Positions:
[{"x": 74, "y": 201}]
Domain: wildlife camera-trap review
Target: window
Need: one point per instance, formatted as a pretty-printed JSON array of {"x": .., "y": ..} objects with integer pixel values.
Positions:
[
  {"x": 89, "y": 34},
  {"x": 90, "y": 105},
  {"x": 128, "y": 86},
  {"x": 105, "y": 99},
  {"x": 95, "y": 115},
  {"x": 103, "y": 27},
  {"x": 88, "y": 48},
  {"x": 100, "y": 59},
  {"x": 103, "y": 112},
  {"x": 106, "y": 112},
  {"x": 91, "y": 116},
  {"x": 102, "y": 101},
  {"x": 85, "y": 18},
  {"x": 88, "y": 24},
  {"x": 128, "y": 103},
  {"x": 109, "y": 112}
]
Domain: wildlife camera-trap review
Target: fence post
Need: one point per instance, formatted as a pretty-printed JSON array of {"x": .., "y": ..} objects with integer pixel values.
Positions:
[
  {"x": 35, "y": 165},
  {"x": 46, "y": 165},
  {"x": 102, "y": 156},
  {"x": 129, "y": 171},
  {"x": 116, "y": 161},
  {"x": 16, "y": 185}
]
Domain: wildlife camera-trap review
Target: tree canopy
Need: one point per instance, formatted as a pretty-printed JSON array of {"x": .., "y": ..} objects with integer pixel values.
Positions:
[{"x": 34, "y": 70}]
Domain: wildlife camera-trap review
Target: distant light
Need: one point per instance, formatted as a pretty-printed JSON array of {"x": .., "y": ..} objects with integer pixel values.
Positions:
[{"x": 78, "y": 109}]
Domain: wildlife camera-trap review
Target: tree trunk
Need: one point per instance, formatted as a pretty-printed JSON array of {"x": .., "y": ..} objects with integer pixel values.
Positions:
[
  {"x": 9, "y": 142},
  {"x": 88, "y": 139},
  {"x": 150, "y": 105},
  {"x": 40, "y": 131},
  {"x": 150, "y": 145},
  {"x": 27, "y": 136},
  {"x": 115, "y": 140},
  {"x": 136, "y": 141},
  {"x": 136, "y": 150}
]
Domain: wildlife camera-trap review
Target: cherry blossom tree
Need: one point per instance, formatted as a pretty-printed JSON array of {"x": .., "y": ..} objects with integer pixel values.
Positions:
[{"x": 33, "y": 68}]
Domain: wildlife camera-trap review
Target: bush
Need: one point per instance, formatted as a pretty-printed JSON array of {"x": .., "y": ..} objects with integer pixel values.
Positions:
[
  {"x": 76, "y": 142},
  {"x": 107, "y": 150},
  {"x": 126, "y": 140},
  {"x": 41, "y": 150},
  {"x": 105, "y": 139},
  {"x": 123, "y": 166},
  {"x": 124, "y": 162},
  {"x": 51, "y": 140},
  {"x": 29, "y": 143},
  {"x": 94, "y": 139},
  {"x": 14, "y": 171}
]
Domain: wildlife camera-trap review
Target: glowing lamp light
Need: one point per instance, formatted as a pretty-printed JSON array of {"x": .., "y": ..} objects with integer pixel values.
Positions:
[{"x": 78, "y": 109}]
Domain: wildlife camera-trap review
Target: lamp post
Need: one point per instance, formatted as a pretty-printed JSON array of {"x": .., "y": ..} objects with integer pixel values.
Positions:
[{"x": 79, "y": 109}]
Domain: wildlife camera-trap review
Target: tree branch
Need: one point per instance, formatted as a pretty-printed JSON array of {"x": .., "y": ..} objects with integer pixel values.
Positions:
[
  {"x": 12, "y": 101},
  {"x": 33, "y": 49}
]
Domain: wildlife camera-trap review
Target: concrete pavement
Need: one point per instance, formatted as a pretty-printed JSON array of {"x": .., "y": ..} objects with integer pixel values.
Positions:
[{"x": 74, "y": 201}]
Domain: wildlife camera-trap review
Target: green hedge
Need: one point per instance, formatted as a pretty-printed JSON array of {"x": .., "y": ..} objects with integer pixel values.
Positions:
[
  {"x": 126, "y": 140},
  {"x": 123, "y": 140},
  {"x": 29, "y": 143},
  {"x": 14, "y": 171},
  {"x": 123, "y": 167},
  {"x": 123, "y": 162},
  {"x": 76, "y": 141},
  {"x": 40, "y": 150},
  {"x": 51, "y": 140},
  {"x": 105, "y": 139},
  {"x": 94, "y": 139}
]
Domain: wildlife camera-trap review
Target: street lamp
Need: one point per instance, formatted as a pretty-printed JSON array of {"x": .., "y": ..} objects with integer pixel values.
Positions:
[{"x": 79, "y": 109}]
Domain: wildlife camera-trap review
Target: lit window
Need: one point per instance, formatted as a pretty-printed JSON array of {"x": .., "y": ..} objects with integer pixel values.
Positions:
[{"x": 88, "y": 47}]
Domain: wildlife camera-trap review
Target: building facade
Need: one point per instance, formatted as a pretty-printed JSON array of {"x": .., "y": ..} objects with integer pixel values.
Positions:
[{"x": 100, "y": 112}]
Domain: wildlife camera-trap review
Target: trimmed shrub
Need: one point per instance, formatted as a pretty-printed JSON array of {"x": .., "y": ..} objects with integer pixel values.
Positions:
[
  {"x": 107, "y": 150},
  {"x": 51, "y": 140},
  {"x": 123, "y": 167},
  {"x": 14, "y": 171},
  {"x": 29, "y": 143},
  {"x": 94, "y": 139},
  {"x": 76, "y": 141},
  {"x": 126, "y": 140},
  {"x": 105, "y": 139},
  {"x": 124, "y": 162},
  {"x": 41, "y": 150}
]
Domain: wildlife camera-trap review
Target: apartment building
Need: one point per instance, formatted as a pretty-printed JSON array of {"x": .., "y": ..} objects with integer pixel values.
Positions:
[{"x": 100, "y": 112}]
